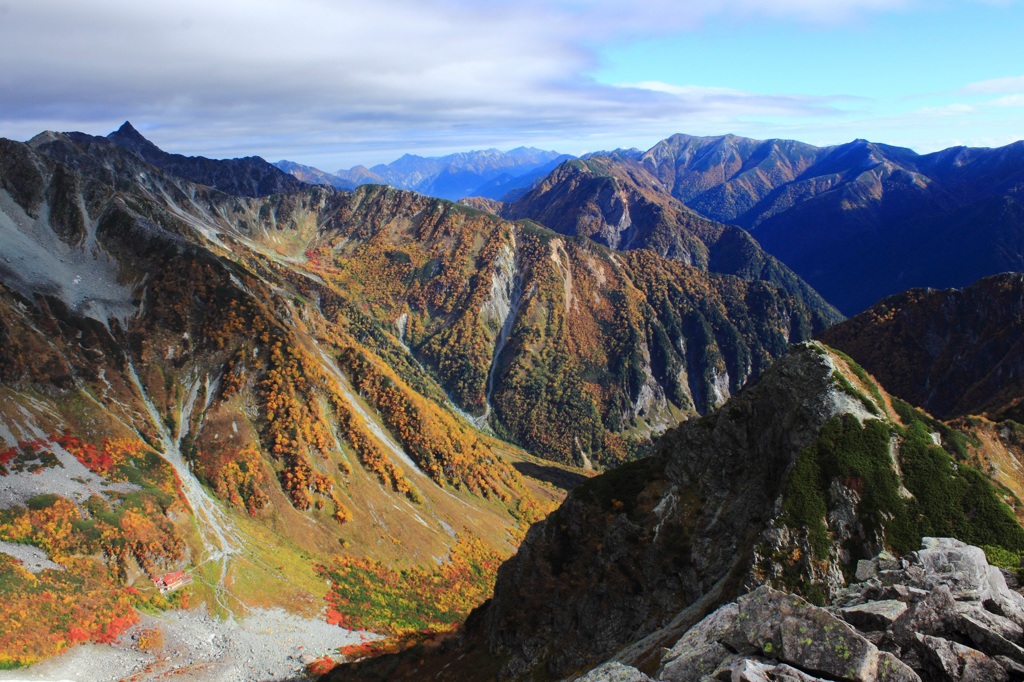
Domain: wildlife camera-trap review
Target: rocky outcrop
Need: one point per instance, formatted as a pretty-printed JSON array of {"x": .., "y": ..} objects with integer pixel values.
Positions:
[
  {"x": 942, "y": 613},
  {"x": 631, "y": 549},
  {"x": 778, "y": 628}
]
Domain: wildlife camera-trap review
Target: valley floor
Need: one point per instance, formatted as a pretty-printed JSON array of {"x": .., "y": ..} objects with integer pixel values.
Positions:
[{"x": 269, "y": 644}]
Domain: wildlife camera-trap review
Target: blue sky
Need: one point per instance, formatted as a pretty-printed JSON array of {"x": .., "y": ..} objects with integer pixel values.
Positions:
[{"x": 333, "y": 83}]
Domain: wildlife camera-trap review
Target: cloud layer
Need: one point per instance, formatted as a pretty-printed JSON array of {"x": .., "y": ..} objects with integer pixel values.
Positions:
[{"x": 343, "y": 81}]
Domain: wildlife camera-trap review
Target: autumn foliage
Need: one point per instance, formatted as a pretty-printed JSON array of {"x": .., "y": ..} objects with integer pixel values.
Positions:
[
  {"x": 236, "y": 476},
  {"x": 46, "y": 613},
  {"x": 96, "y": 542},
  {"x": 368, "y": 595},
  {"x": 445, "y": 450}
]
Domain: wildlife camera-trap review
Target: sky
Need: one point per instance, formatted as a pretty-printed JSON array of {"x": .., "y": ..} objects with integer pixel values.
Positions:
[{"x": 335, "y": 83}]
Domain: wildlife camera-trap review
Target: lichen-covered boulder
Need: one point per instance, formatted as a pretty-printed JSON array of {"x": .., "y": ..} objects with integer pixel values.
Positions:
[{"x": 783, "y": 628}]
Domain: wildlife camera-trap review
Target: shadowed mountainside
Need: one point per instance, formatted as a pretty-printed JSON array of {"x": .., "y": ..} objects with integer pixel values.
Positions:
[
  {"x": 953, "y": 352},
  {"x": 857, "y": 221}
]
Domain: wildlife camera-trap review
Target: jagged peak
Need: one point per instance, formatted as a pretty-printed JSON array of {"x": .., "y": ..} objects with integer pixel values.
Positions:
[
  {"x": 127, "y": 130},
  {"x": 129, "y": 138}
]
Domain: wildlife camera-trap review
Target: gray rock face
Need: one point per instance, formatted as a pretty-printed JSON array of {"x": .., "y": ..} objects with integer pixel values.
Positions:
[
  {"x": 785, "y": 628},
  {"x": 874, "y": 616},
  {"x": 938, "y": 614},
  {"x": 970, "y": 578},
  {"x": 614, "y": 671},
  {"x": 952, "y": 662}
]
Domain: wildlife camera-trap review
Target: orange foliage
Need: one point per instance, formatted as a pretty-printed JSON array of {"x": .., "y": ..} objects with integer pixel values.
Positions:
[
  {"x": 295, "y": 425},
  {"x": 446, "y": 451},
  {"x": 370, "y": 455},
  {"x": 136, "y": 529},
  {"x": 24, "y": 455},
  {"x": 321, "y": 666},
  {"x": 103, "y": 460},
  {"x": 46, "y": 613},
  {"x": 235, "y": 475},
  {"x": 368, "y": 595}
]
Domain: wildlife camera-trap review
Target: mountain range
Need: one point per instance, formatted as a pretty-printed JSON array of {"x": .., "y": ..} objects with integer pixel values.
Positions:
[
  {"x": 487, "y": 173},
  {"x": 256, "y": 379},
  {"x": 359, "y": 402},
  {"x": 857, "y": 221},
  {"x": 884, "y": 217}
]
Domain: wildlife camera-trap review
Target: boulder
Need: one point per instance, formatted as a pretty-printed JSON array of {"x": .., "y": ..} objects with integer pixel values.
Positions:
[
  {"x": 987, "y": 632},
  {"x": 934, "y": 615},
  {"x": 948, "y": 661},
  {"x": 700, "y": 651},
  {"x": 866, "y": 570},
  {"x": 966, "y": 572},
  {"x": 885, "y": 561},
  {"x": 873, "y": 616},
  {"x": 783, "y": 628},
  {"x": 613, "y": 671}
]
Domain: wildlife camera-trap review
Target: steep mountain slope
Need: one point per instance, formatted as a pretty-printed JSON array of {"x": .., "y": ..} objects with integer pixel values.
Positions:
[
  {"x": 245, "y": 387},
  {"x": 790, "y": 483},
  {"x": 178, "y": 395},
  {"x": 488, "y": 173},
  {"x": 881, "y": 216},
  {"x": 573, "y": 351},
  {"x": 953, "y": 352},
  {"x": 614, "y": 202}
]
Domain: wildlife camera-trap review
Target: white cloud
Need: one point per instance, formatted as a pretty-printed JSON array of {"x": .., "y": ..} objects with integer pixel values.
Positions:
[
  {"x": 1009, "y": 101},
  {"x": 955, "y": 109},
  {"x": 995, "y": 86}
]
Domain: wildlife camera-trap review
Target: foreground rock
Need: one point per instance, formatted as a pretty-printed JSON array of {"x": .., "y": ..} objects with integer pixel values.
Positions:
[
  {"x": 782, "y": 627},
  {"x": 942, "y": 613}
]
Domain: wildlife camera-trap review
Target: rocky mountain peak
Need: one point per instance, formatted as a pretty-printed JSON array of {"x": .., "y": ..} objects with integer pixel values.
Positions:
[
  {"x": 129, "y": 138},
  {"x": 127, "y": 132}
]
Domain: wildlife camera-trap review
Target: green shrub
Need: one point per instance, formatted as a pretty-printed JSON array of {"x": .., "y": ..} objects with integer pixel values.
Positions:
[{"x": 804, "y": 502}]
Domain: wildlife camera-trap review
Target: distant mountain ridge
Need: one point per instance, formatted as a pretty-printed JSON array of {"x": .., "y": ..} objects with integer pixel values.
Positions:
[
  {"x": 623, "y": 207},
  {"x": 315, "y": 176},
  {"x": 250, "y": 176},
  {"x": 488, "y": 173},
  {"x": 857, "y": 221},
  {"x": 882, "y": 217}
]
